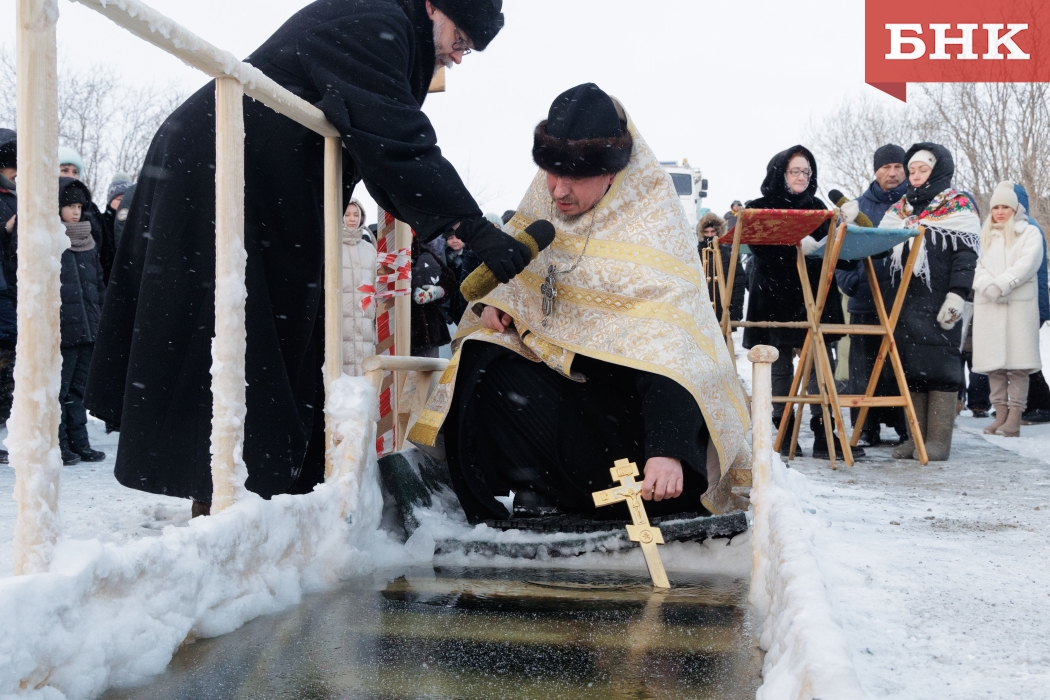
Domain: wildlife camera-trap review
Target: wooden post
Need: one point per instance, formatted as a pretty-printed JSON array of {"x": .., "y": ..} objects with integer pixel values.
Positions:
[
  {"x": 333, "y": 277},
  {"x": 33, "y": 428},
  {"x": 762, "y": 358},
  {"x": 402, "y": 335},
  {"x": 228, "y": 472}
]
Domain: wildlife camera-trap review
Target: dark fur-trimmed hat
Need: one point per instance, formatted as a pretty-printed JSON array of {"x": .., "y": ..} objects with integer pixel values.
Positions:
[
  {"x": 481, "y": 20},
  {"x": 584, "y": 135}
]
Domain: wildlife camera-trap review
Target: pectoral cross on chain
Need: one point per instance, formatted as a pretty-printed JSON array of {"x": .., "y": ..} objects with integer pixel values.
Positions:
[
  {"x": 549, "y": 293},
  {"x": 641, "y": 531}
]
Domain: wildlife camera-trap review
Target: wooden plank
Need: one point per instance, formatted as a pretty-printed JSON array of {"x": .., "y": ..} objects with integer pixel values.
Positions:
[
  {"x": 852, "y": 329},
  {"x": 402, "y": 335},
  {"x": 333, "y": 277},
  {"x": 437, "y": 83},
  {"x": 762, "y": 358},
  {"x": 153, "y": 27},
  {"x": 770, "y": 324},
  {"x": 228, "y": 472},
  {"x": 403, "y": 364},
  {"x": 33, "y": 428}
]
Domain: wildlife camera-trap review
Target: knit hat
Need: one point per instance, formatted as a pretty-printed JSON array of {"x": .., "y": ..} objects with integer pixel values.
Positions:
[
  {"x": 923, "y": 157},
  {"x": 888, "y": 155},
  {"x": 480, "y": 20},
  {"x": 1004, "y": 195},
  {"x": 583, "y": 135},
  {"x": 72, "y": 191},
  {"x": 121, "y": 183},
  {"x": 8, "y": 149},
  {"x": 67, "y": 155}
]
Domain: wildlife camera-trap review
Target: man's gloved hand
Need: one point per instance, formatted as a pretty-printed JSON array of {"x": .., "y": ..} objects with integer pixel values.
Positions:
[
  {"x": 809, "y": 244},
  {"x": 427, "y": 294},
  {"x": 503, "y": 255},
  {"x": 850, "y": 210},
  {"x": 951, "y": 311}
]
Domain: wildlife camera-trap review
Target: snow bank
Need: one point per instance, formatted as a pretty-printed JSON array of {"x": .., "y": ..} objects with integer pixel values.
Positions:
[
  {"x": 806, "y": 653},
  {"x": 110, "y": 615}
]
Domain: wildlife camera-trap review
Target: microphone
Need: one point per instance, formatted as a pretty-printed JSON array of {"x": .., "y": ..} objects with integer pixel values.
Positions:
[
  {"x": 838, "y": 199},
  {"x": 481, "y": 281}
]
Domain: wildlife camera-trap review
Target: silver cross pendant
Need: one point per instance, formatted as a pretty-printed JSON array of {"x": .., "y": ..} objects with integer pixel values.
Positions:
[{"x": 549, "y": 293}]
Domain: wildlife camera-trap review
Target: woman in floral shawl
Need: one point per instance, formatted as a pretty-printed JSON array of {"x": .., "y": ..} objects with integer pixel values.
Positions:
[{"x": 929, "y": 334}]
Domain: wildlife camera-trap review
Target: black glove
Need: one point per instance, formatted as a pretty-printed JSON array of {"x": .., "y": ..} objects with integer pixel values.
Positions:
[{"x": 503, "y": 255}]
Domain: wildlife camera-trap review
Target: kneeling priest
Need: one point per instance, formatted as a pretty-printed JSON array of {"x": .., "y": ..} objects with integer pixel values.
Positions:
[{"x": 605, "y": 348}]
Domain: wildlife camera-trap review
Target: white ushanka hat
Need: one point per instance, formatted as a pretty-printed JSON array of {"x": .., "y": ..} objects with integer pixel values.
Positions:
[{"x": 1004, "y": 195}]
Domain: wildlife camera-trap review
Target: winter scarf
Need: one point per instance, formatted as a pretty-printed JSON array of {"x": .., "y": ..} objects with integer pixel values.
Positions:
[
  {"x": 80, "y": 239},
  {"x": 950, "y": 216},
  {"x": 940, "y": 178}
]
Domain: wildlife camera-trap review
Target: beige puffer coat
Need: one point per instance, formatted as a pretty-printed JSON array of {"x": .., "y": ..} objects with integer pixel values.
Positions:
[{"x": 359, "y": 325}]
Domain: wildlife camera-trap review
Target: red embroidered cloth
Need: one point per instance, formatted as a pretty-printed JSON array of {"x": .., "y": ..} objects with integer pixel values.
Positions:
[{"x": 777, "y": 226}]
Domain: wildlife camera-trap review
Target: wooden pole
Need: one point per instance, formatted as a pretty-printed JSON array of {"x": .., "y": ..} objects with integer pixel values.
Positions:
[
  {"x": 33, "y": 428},
  {"x": 333, "y": 277},
  {"x": 228, "y": 472},
  {"x": 762, "y": 358},
  {"x": 402, "y": 334}
]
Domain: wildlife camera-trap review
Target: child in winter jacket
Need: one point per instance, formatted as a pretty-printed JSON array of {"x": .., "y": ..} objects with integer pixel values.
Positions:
[
  {"x": 82, "y": 292},
  {"x": 1006, "y": 308},
  {"x": 432, "y": 282}
]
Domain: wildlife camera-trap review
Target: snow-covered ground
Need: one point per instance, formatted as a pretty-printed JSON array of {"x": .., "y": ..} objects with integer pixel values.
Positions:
[
  {"x": 92, "y": 505},
  {"x": 937, "y": 575}
]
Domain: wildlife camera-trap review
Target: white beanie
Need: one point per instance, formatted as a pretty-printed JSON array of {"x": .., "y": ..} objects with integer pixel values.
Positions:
[
  {"x": 923, "y": 157},
  {"x": 1004, "y": 195}
]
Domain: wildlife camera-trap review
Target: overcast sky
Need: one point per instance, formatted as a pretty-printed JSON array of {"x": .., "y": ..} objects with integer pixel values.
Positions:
[{"x": 724, "y": 84}]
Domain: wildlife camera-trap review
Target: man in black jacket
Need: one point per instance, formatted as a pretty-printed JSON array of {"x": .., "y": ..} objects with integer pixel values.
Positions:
[{"x": 367, "y": 64}]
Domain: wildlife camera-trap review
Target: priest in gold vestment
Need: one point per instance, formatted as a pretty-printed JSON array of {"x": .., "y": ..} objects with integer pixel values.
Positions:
[{"x": 606, "y": 347}]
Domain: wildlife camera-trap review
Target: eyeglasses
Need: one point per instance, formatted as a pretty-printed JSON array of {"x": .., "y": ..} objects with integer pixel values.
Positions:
[
  {"x": 796, "y": 172},
  {"x": 461, "y": 44}
]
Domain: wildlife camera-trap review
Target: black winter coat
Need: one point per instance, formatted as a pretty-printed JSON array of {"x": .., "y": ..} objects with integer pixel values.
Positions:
[
  {"x": 930, "y": 355},
  {"x": 8, "y": 260},
  {"x": 83, "y": 294},
  {"x": 367, "y": 64},
  {"x": 775, "y": 289},
  {"x": 430, "y": 321}
]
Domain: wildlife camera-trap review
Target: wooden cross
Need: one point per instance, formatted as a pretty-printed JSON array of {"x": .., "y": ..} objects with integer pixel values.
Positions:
[{"x": 641, "y": 531}]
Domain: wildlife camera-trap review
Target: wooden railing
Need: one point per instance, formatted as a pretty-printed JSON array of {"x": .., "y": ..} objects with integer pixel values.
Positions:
[{"x": 35, "y": 416}]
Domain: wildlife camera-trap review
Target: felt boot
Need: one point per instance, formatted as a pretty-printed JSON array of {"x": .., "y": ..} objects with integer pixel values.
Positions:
[
  {"x": 1000, "y": 418},
  {"x": 1012, "y": 426},
  {"x": 200, "y": 509},
  {"x": 906, "y": 450},
  {"x": 940, "y": 423}
]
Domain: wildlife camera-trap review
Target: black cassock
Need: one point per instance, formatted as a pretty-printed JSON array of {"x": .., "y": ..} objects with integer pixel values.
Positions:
[
  {"x": 367, "y": 64},
  {"x": 516, "y": 424}
]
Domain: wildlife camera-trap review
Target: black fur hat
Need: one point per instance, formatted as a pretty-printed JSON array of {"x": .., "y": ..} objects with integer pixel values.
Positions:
[
  {"x": 584, "y": 135},
  {"x": 480, "y": 20}
]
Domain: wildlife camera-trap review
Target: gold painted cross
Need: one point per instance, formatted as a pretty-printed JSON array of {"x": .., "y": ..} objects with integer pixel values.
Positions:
[{"x": 641, "y": 531}]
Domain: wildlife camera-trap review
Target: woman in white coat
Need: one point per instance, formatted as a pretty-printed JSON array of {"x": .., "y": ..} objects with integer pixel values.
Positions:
[
  {"x": 1006, "y": 308},
  {"x": 359, "y": 268}
]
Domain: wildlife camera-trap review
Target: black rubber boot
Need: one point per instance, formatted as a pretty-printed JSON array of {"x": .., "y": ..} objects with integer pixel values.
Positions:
[
  {"x": 89, "y": 455},
  {"x": 820, "y": 441},
  {"x": 69, "y": 457},
  {"x": 4, "y": 457}
]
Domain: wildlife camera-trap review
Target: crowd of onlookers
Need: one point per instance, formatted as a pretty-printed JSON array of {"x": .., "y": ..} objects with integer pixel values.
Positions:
[
  {"x": 976, "y": 300},
  {"x": 973, "y": 308},
  {"x": 92, "y": 233}
]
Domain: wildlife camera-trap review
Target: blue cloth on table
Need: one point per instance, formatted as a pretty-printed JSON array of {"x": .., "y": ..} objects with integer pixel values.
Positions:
[{"x": 864, "y": 242}]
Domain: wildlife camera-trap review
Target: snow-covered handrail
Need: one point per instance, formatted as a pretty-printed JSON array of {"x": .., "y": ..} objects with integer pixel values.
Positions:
[
  {"x": 33, "y": 436},
  {"x": 164, "y": 33}
]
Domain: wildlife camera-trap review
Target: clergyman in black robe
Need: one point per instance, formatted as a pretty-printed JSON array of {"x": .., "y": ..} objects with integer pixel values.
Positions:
[{"x": 367, "y": 64}]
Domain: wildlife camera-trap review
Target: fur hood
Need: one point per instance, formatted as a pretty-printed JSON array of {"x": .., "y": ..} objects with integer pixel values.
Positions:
[{"x": 709, "y": 219}]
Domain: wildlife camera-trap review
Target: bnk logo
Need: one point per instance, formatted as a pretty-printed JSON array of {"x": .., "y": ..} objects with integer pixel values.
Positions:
[
  {"x": 999, "y": 37},
  {"x": 955, "y": 41}
]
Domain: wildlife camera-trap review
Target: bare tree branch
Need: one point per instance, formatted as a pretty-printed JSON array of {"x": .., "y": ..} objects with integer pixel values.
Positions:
[{"x": 108, "y": 122}]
